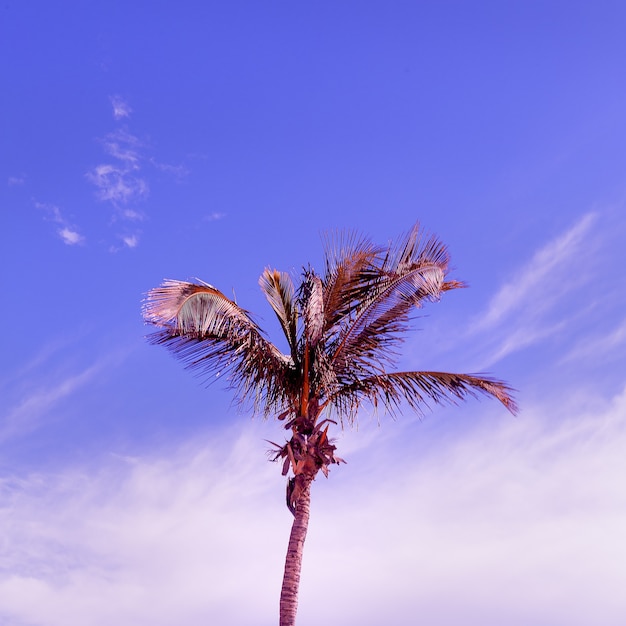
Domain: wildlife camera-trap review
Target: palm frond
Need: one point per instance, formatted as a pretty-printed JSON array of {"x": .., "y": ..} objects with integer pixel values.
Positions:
[
  {"x": 312, "y": 298},
  {"x": 280, "y": 293},
  {"x": 418, "y": 390},
  {"x": 350, "y": 268},
  {"x": 216, "y": 338},
  {"x": 385, "y": 313},
  {"x": 409, "y": 273},
  {"x": 414, "y": 248}
]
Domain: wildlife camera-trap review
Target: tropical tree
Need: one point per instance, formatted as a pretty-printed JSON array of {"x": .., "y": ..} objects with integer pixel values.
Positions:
[{"x": 342, "y": 329}]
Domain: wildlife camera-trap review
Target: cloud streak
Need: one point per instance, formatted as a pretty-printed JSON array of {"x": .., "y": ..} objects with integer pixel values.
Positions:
[
  {"x": 533, "y": 304},
  {"x": 539, "y": 281},
  {"x": 536, "y": 282},
  {"x": 30, "y": 396},
  {"x": 30, "y": 412},
  {"x": 602, "y": 346}
]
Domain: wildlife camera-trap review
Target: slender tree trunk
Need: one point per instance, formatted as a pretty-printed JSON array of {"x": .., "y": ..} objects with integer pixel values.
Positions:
[{"x": 293, "y": 562}]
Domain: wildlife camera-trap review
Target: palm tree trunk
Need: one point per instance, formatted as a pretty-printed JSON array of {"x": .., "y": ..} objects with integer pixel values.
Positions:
[{"x": 293, "y": 561}]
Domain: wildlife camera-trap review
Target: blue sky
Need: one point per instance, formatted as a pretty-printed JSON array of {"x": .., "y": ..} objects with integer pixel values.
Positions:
[{"x": 143, "y": 141}]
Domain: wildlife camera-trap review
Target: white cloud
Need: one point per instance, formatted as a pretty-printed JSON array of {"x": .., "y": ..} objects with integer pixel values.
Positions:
[
  {"x": 215, "y": 216},
  {"x": 68, "y": 233},
  {"x": 132, "y": 214},
  {"x": 123, "y": 146},
  {"x": 130, "y": 241},
  {"x": 71, "y": 237},
  {"x": 16, "y": 180},
  {"x": 516, "y": 522},
  {"x": 118, "y": 185},
  {"x": 122, "y": 180},
  {"x": 107, "y": 543},
  {"x": 121, "y": 108}
]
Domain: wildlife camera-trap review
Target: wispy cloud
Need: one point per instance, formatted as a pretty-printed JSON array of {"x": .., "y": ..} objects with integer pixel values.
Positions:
[
  {"x": 127, "y": 242},
  {"x": 214, "y": 217},
  {"x": 118, "y": 185},
  {"x": 35, "y": 389},
  {"x": 14, "y": 181},
  {"x": 526, "y": 310},
  {"x": 178, "y": 171},
  {"x": 68, "y": 233},
  {"x": 122, "y": 179},
  {"x": 123, "y": 146},
  {"x": 120, "y": 182},
  {"x": 600, "y": 346},
  {"x": 28, "y": 414},
  {"x": 143, "y": 526},
  {"x": 397, "y": 532},
  {"x": 535, "y": 284},
  {"x": 70, "y": 237},
  {"x": 121, "y": 108},
  {"x": 131, "y": 241}
]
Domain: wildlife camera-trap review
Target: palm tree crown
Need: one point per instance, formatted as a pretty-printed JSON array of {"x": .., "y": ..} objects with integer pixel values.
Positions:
[{"x": 342, "y": 328}]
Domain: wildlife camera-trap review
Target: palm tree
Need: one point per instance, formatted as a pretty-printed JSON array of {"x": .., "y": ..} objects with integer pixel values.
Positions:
[{"x": 342, "y": 330}]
